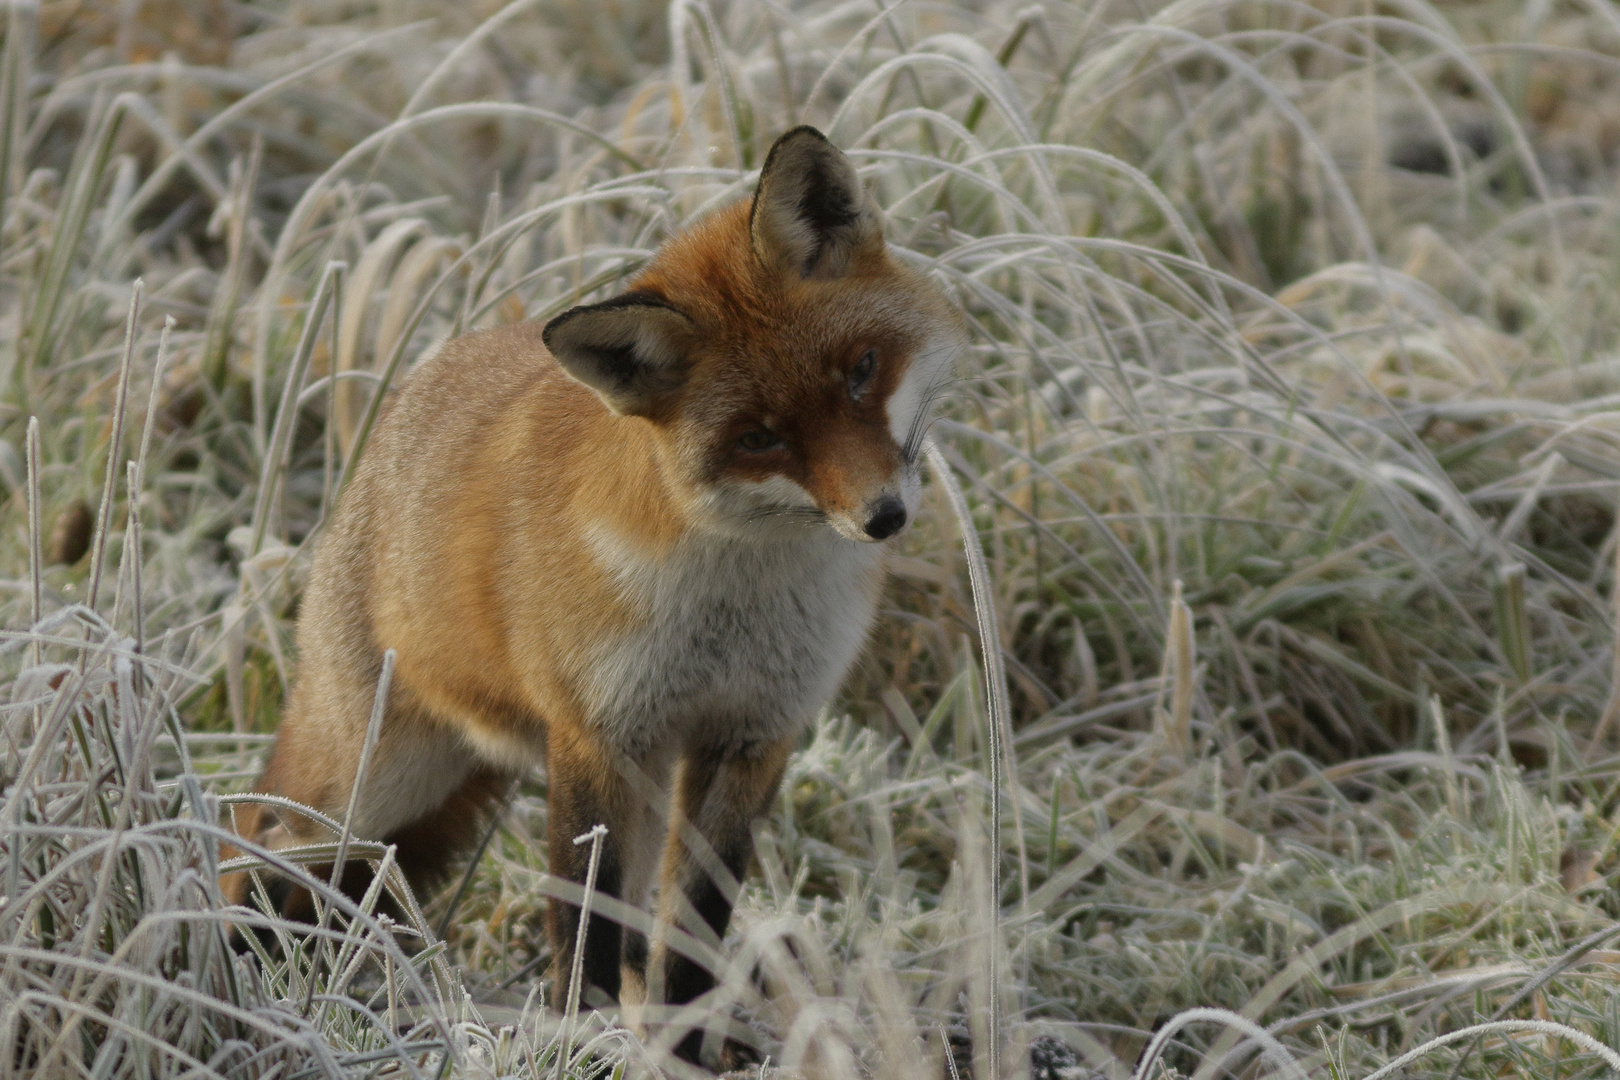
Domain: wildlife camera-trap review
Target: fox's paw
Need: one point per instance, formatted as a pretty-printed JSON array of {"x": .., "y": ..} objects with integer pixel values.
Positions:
[{"x": 731, "y": 1056}]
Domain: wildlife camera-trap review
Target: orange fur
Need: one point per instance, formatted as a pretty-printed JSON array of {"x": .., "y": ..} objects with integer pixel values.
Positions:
[{"x": 634, "y": 555}]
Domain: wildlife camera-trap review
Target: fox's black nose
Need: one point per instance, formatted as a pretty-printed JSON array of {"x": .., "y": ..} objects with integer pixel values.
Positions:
[{"x": 888, "y": 518}]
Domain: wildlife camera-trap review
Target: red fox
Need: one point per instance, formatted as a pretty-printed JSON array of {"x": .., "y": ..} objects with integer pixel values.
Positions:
[{"x": 640, "y": 545}]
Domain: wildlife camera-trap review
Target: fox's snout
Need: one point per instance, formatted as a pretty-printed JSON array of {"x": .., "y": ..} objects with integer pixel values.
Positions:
[
  {"x": 878, "y": 518},
  {"x": 888, "y": 517},
  {"x": 860, "y": 480}
]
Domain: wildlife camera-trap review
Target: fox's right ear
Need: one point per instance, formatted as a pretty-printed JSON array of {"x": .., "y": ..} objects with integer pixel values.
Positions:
[
  {"x": 810, "y": 214},
  {"x": 631, "y": 350}
]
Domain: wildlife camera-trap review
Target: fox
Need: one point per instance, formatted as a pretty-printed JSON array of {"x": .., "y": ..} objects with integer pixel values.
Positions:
[{"x": 639, "y": 547}]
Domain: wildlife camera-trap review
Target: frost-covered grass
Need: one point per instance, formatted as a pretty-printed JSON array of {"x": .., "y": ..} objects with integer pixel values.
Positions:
[{"x": 1290, "y": 437}]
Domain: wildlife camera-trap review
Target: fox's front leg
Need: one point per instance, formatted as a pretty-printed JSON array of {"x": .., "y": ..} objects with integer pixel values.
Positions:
[
  {"x": 718, "y": 794},
  {"x": 593, "y": 785}
]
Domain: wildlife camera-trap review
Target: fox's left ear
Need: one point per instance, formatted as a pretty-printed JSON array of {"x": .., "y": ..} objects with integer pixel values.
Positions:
[
  {"x": 810, "y": 214},
  {"x": 631, "y": 350}
]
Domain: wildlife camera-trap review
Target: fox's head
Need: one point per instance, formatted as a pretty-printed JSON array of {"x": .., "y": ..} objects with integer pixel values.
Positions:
[{"x": 785, "y": 360}]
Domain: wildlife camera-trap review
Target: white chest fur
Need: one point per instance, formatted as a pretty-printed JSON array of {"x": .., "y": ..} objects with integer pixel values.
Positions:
[{"x": 741, "y": 640}]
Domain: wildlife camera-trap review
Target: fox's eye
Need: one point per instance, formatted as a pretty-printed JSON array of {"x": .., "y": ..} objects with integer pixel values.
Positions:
[
  {"x": 756, "y": 441},
  {"x": 861, "y": 373}
]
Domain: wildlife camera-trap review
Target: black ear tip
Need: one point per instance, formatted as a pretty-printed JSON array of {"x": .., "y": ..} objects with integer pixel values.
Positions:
[
  {"x": 803, "y": 134},
  {"x": 804, "y": 130}
]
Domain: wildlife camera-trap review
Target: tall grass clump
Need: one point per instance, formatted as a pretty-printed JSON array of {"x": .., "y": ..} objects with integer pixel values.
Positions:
[{"x": 1245, "y": 704}]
